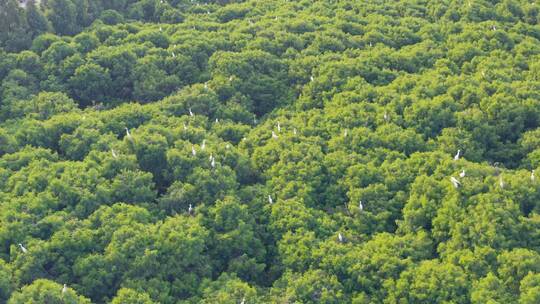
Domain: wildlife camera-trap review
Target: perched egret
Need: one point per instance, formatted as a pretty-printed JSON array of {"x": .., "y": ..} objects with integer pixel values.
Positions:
[
  {"x": 206, "y": 85},
  {"x": 340, "y": 238},
  {"x": 213, "y": 162},
  {"x": 278, "y": 127},
  {"x": 345, "y": 133},
  {"x": 64, "y": 289},
  {"x": 385, "y": 116},
  {"x": 230, "y": 78},
  {"x": 114, "y": 153},
  {"x": 501, "y": 182},
  {"x": 311, "y": 78},
  {"x": 370, "y": 44},
  {"x": 185, "y": 127},
  {"x": 360, "y": 206},
  {"x": 274, "y": 136},
  {"x": 217, "y": 120},
  {"x": 294, "y": 131},
  {"x": 227, "y": 146},
  {"x": 203, "y": 146},
  {"x": 173, "y": 55},
  {"x": 190, "y": 209},
  {"x": 270, "y": 199},
  {"x": 211, "y": 156},
  {"x": 193, "y": 150},
  {"x": 254, "y": 119},
  {"x": 24, "y": 250},
  {"x": 243, "y": 301},
  {"x": 456, "y": 157},
  {"x": 160, "y": 29},
  {"x": 455, "y": 182},
  {"x": 462, "y": 174},
  {"x": 190, "y": 113},
  {"x": 493, "y": 27},
  {"x": 128, "y": 134}
]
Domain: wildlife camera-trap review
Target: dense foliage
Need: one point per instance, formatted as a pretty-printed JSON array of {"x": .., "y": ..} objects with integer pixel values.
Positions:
[{"x": 270, "y": 151}]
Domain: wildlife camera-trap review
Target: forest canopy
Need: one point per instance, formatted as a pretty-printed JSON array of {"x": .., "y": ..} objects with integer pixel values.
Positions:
[{"x": 312, "y": 151}]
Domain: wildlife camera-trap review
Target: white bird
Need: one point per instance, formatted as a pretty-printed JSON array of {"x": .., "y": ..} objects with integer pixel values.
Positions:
[
  {"x": 227, "y": 146},
  {"x": 493, "y": 27},
  {"x": 230, "y": 78},
  {"x": 114, "y": 153},
  {"x": 501, "y": 182},
  {"x": 185, "y": 126},
  {"x": 243, "y": 301},
  {"x": 370, "y": 44},
  {"x": 455, "y": 182},
  {"x": 386, "y": 116},
  {"x": 278, "y": 127},
  {"x": 294, "y": 131},
  {"x": 211, "y": 156},
  {"x": 190, "y": 209},
  {"x": 274, "y": 136},
  {"x": 203, "y": 146},
  {"x": 532, "y": 176},
  {"x": 128, "y": 134},
  {"x": 24, "y": 250},
  {"x": 64, "y": 289},
  {"x": 193, "y": 150},
  {"x": 173, "y": 55},
  {"x": 340, "y": 237},
  {"x": 462, "y": 174},
  {"x": 270, "y": 199},
  {"x": 456, "y": 157},
  {"x": 206, "y": 85},
  {"x": 190, "y": 113},
  {"x": 360, "y": 206},
  {"x": 213, "y": 162},
  {"x": 345, "y": 133},
  {"x": 217, "y": 120},
  {"x": 311, "y": 78},
  {"x": 254, "y": 120}
]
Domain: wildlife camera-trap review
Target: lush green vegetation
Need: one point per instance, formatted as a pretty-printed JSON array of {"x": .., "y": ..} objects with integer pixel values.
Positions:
[{"x": 270, "y": 151}]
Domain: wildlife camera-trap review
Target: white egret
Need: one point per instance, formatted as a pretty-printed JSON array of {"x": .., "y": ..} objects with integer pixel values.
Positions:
[
  {"x": 203, "y": 146},
  {"x": 345, "y": 133},
  {"x": 217, "y": 120},
  {"x": 160, "y": 29},
  {"x": 190, "y": 113},
  {"x": 128, "y": 134},
  {"x": 294, "y": 131},
  {"x": 243, "y": 301},
  {"x": 206, "y": 85},
  {"x": 385, "y": 116},
  {"x": 456, "y": 157},
  {"x": 114, "y": 153},
  {"x": 278, "y": 127},
  {"x": 274, "y": 136},
  {"x": 270, "y": 199},
  {"x": 532, "y": 176},
  {"x": 211, "y": 156},
  {"x": 185, "y": 127},
  {"x": 462, "y": 174},
  {"x": 227, "y": 146},
  {"x": 24, "y": 250},
  {"x": 213, "y": 162},
  {"x": 230, "y": 78},
  {"x": 501, "y": 182},
  {"x": 311, "y": 78},
  {"x": 64, "y": 289},
  {"x": 190, "y": 209},
  {"x": 340, "y": 238},
  {"x": 455, "y": 182},
  {"x": 193, "y": 150},
  {"x": 370, "y": 44},
  {"x": 173, "y": 55},
  {"x": 360, "y": 206}
]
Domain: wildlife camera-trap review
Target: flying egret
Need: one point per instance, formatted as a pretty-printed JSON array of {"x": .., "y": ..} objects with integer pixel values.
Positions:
[
  {"x": 360, "y": 206},
  {"x": 532, "y": 176},
  {"x": 501, "y": 182},
  {"x": 64, "y": 289},
  {"x": 193, "y": 150},
  {"x": 114, "y": 153},
  {"x": 203, "y": 146},
  {"x": 190, "y": 113},
  {"x": 340, "y": 238},
  {"x": 24, "y": 250},
  {"x": 274, "y": 136},
  {"x": 462, "y": 174},
  {"x": 270, "y": 199},
  {"x": 455, "y": 182},
  {"x": 456, "y": 157}
]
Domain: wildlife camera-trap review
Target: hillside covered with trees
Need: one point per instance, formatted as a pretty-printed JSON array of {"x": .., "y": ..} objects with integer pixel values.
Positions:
[{"x": 311, "y": 151}]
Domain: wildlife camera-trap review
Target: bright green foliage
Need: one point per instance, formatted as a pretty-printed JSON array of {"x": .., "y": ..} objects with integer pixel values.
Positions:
[{"x": 270, "y": 151}]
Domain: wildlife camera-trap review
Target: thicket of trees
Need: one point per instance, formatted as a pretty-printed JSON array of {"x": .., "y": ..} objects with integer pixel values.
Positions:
[{"x": 269, "y": 151}]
